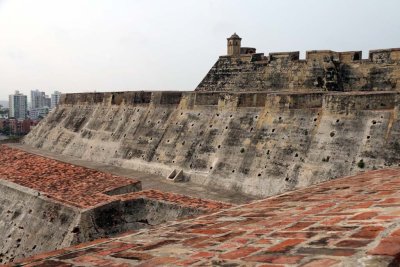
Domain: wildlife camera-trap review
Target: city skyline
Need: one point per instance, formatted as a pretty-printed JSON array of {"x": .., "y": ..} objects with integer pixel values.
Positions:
[{"x": 87, "y": 46}]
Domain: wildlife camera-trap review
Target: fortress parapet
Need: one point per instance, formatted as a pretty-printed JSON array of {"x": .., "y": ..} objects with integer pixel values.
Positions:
[
  {"x": 185, "y": 100},
  {"x": 242, "y": 69}
]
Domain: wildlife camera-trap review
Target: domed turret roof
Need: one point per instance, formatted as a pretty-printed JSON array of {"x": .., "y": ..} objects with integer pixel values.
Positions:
[{"x": 234, "y": 36}]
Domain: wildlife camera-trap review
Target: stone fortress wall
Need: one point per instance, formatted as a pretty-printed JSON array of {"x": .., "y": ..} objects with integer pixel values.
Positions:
[
  {"x": 327, "y": 70},
  {"x": 258, "y": 143}
]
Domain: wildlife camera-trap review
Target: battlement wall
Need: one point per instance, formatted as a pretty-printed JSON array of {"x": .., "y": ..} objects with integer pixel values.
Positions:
[
  {"x": 273, "y": 100},
  {"x": 257, "y": 143},
  {"x": 321, "y": 70}
]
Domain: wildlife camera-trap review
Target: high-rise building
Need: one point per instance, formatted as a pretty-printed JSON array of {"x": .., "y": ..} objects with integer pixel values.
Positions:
[
  {"x": 40, "y": 105},
  {"x": 18, "y": 105},
  {"x": 55, "y": 98},
  {"x": 38, "y": 99}
]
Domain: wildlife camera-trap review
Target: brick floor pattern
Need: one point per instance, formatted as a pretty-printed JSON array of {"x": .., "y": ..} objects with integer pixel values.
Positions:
[
  {"x": 79, "y": 186},
  {"x": 337, "y": 223}
]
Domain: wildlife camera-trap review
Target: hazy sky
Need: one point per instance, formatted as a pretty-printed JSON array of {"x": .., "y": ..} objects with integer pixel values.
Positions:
[{"x": 87, "y": 45}]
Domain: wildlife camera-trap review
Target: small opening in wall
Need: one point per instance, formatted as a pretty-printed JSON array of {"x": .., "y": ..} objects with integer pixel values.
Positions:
[
  {"x": 233, "y": 171},
  {"x": 259, "y": 174},
  {"x": 368, "y": 137},
  {"x": 273, "y": 130}
]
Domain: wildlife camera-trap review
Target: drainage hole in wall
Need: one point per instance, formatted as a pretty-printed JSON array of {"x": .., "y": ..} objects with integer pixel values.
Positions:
[
  {"x": 368, "y": 137},
  {"x": 259, "y": 174},
  {"x": 219, "y": 146},
  {"x": 332, "y": 134},
  {"x": 273, "y": 130},
  {"x": 233, "y": 171},
  {"x": 296, "y": 155}
]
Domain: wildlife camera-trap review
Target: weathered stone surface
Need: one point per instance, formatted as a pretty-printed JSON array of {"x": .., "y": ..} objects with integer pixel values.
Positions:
[
  {"x": 256, "y": 143},
  {"x": 321, "y": 70}
]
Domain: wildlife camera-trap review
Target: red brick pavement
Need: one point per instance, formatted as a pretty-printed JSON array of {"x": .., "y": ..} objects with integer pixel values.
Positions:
[
  {"x": 353, "y": 220},
  {"x": 79, "y": 186}
]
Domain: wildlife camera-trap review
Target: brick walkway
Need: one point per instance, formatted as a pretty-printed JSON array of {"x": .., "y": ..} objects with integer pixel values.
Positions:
[
  {"x": 346, "y": 222},
  {"x": 82, "y": 187}
]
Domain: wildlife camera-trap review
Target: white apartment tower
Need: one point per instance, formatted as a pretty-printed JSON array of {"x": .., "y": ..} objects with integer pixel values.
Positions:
[
  {"x": 18, "y": 104},
  {"x": 55, "y": 98},
  {"x": 39, "y": 99}
]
